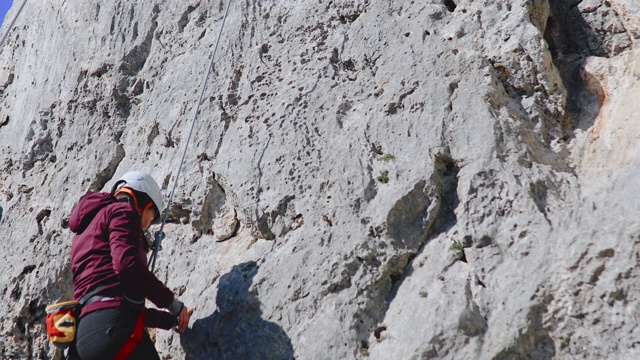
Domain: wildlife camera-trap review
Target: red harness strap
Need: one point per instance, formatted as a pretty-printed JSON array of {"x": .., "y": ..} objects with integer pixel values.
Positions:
[{"x": 134, "y": 339}]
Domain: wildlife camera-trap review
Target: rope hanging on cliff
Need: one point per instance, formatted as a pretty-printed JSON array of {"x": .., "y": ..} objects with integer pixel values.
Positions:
[
  {"x": 159, "y": 235},
  {"x": 6, "y": 33}
]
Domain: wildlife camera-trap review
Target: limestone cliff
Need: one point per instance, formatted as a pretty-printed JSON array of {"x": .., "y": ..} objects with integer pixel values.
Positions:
[{"x": 449, "y": 179}]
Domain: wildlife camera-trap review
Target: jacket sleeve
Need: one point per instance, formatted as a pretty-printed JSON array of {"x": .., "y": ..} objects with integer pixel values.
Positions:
[
  {"x": 159, "y": 319},
  {"x": 129, "y": 258}
]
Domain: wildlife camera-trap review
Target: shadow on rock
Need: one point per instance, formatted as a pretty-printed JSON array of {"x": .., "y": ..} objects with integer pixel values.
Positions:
[
  {"x": 236, "y": 329},
  {"x": 571, "y": 40}
]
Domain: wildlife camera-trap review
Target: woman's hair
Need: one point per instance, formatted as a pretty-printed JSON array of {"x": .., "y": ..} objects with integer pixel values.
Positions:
[{"x": 142, "y": 198}]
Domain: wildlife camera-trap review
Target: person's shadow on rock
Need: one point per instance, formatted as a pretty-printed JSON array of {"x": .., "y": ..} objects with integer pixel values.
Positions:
[{"x": 236, "y": 329}]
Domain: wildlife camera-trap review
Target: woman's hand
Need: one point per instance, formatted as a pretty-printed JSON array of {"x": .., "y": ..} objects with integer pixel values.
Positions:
[{"x": 183, "y": 319}]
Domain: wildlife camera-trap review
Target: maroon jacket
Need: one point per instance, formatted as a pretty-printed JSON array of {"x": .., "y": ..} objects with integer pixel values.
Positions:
[{"x": 108, "y": 250}]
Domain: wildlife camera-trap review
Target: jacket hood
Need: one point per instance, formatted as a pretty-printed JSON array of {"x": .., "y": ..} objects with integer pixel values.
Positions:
[{"x": 87, "y": 208}]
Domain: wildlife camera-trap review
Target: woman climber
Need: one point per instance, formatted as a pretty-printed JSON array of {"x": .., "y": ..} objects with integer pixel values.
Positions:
[{"x": 108, "y": 262}]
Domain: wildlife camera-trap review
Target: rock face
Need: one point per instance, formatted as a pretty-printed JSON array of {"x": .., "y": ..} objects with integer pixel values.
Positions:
[{"x": 391, "y": 179}]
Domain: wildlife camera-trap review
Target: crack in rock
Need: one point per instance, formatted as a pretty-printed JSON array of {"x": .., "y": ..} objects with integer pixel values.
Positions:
[
  {"x": 425, "y": 212},
  {"x": 535, "y": 341},
  {"x": 103, "y": 177}
]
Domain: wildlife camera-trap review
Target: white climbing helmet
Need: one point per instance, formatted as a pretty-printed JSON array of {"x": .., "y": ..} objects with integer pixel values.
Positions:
[{"x": 143, "y": 182}]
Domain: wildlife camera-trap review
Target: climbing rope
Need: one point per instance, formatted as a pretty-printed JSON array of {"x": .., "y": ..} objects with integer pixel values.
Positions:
[
  {"x": 159, "y": 235},
  {"x": 6, "y": 33}
]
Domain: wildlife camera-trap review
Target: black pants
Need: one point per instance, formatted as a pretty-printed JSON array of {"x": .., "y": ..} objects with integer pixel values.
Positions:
[{"x": 102, "y": 333}]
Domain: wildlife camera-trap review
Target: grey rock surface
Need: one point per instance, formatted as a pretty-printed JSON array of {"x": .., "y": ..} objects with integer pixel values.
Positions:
[{"x": 391, "y": 179}]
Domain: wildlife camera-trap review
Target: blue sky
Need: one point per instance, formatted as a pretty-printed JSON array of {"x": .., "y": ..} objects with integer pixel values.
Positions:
[{"x": 4, "y": 7}]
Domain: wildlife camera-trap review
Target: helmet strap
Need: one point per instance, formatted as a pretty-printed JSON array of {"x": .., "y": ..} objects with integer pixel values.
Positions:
[
  {"x": 128, "y": 191},
  {"x": 149, "y": 205}
]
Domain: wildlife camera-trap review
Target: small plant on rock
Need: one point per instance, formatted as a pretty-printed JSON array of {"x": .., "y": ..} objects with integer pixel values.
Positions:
[
  {"x": 387, "y": 157},
  {"x": 458, "y": 248},
  {"x": 383, "y": 177}
]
